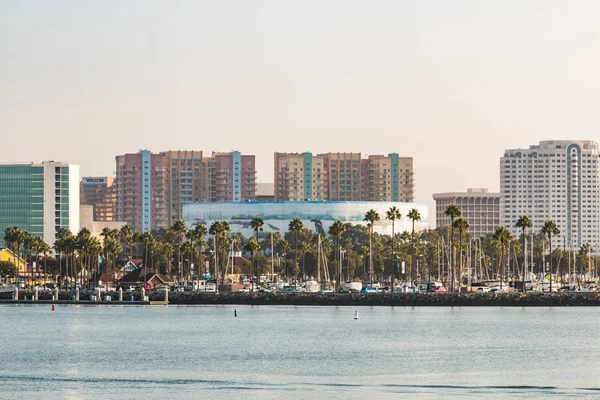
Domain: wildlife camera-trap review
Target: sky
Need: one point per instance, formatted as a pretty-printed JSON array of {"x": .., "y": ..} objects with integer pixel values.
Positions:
[{"x": 450, "y": 83}]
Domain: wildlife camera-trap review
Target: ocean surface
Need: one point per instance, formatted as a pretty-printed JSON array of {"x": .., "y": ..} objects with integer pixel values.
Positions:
[{"x": 179, "y": 352}]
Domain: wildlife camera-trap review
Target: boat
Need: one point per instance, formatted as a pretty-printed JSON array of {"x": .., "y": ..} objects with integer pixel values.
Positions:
[{"x": 8, "y": 288}]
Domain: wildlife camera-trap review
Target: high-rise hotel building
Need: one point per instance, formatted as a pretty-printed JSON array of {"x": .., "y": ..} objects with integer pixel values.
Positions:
[
  {"x": 142, "y": 191},
  {"x": 40, "y": 198},
  {"x": 343, "y": 177},
  {"x": 152, "y": 188},
  {"x": 555, "y": 180},
  {"x": 101, "y": 193}
]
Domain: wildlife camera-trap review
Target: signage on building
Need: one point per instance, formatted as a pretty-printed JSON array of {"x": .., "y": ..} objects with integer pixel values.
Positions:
[{"x": 94, "y": 180}]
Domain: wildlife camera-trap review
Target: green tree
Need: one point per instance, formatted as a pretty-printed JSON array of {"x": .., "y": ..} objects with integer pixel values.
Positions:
[
  {"x": 256, "y": 224},
  {"x": 453, "y": 212},
  {"x": 178, "y": 231},
  {"x": 462, "y": 225},
  {"x": 393, "y": 214},
  {"x": 413, "y": 215},
  {"x": 296, "y": 226},
  {"x": 196, "y": 236},
  {"x": 8, "y": 269},
  {"x": 503, "y": 236},
  {"x": 219, "y": 229},
  {"x": 126, "y": 236},
  {"x": 336, "y": 230},
  {"x": 523, "y": 223},
  {"x": 253, "y": 248},
  {"x": 550, "y": 229},
  {"x": 371, "y": 217}
]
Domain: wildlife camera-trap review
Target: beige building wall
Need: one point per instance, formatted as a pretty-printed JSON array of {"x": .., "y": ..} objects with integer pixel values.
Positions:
[
  {"x": 480, "y": 208},
  {"x": 292, "y": 180}
]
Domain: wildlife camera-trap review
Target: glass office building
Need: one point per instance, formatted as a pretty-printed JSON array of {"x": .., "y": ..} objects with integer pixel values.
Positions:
[{"x": 40, "y": 198}]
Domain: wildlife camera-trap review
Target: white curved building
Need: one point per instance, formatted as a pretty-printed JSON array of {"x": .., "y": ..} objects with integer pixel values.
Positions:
[
  {"x": 557, "y": 180},
  {"x": 316, "y": 215}
]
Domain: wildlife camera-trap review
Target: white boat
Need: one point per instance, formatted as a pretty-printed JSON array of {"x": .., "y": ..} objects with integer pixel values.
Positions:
[
  {"x": 351, "y": 286},
  {"x": 7, "y": 288}
]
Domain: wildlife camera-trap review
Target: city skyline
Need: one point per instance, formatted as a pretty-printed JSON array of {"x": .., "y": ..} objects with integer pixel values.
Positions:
[{"x": 451, "y": 85}]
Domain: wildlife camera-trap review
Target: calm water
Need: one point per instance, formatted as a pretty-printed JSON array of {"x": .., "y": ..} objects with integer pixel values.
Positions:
[{"x": 87, "y": 352}]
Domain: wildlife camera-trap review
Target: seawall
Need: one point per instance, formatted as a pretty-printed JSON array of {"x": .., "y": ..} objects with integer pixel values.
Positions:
[{"x": 534, "y": 299}]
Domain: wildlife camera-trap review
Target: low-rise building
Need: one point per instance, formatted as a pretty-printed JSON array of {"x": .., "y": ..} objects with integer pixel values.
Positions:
[{"x": 478, "y": 206}]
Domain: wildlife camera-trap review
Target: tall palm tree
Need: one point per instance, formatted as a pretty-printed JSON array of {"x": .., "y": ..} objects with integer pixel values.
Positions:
[
  {"x": 370, "y": 218},
  {"x": 45, "y": 251},
  {"x": 524, "y": 222},
  {"x": 252, "y": 247},
  {"x": 453, "y": 212},
  {"x": 83, "y": 240},
  {"x": 393, "y": 214},
  {"x": 107, "y": 247},
  {"x": 305, "y": 248},
  {"x": 296, "y": 226},
  {"x": 178, "y": 230},
  {"x": 550, "y": 229},
  {"x": 462, "y": 225},
  {"x": 111, "y": 249},
  {"x": 256, "y": 224},
  {"x": 219, "y": 229},
  {"x": 126, "y": 236},
  {"x": 336, "y": 230},
  {"x": 413, "y": 215},
  {"x": 94, "y": 250},
  {"x": 196, "y": 236},
  {"x": 503, "y": 236}
]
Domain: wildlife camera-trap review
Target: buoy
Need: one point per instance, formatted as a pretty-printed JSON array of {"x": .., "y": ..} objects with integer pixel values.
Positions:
[
  {"x": 53, "y": 307},
  {"x": 235, "y": 312},
  {"x": 355, "y": 314}
]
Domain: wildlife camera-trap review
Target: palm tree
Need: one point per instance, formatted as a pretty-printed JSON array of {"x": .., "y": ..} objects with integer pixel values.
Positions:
[
  {"x": 296, "y": 226},
  {"x": 218, "y": 229},
  {"x": 453, "y": 212},
  {"x": 413, "y": 215},
  {"x": 126, "y": 236},
  {"x": 188, "y": 249},
  {"x": 256, "y": 224},
  {"x": 111, "y": 248},
  {"x": 107, "y": 246},
  {"x": 550, "y": 229},
  {"x": 252, "y": 247},
  {"x": 305, "y": 248},
  {"x": 462, "y": 225},
  {"x": 503, "y": 236},
  {"x": 371, "y": 217},
  {"x": 336, "y": 230},
  {"x": 393, "y": 214},
  {"x": 524, "y": 222},
  {"x": 178, "y": 230},
  {"x": 196, "y": 236}
]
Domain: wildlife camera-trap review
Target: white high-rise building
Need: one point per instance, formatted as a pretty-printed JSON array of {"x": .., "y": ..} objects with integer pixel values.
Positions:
[{"x": 557, "y": 180}]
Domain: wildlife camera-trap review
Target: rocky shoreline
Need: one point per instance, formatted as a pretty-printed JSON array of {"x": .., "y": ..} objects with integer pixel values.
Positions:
[
  {"x": 534, "y": 299},
  {"x": 393, "y": 299}
]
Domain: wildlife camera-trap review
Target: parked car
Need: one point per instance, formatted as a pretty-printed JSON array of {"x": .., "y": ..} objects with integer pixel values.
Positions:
[
  {"x": 483, "y": 289},
  {"x": 441, "y": 289},
  {"x": 368, "y": 289}
]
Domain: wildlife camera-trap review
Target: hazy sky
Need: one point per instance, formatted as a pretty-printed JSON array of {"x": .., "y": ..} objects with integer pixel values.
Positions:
[{"x": 450, "y": 83}]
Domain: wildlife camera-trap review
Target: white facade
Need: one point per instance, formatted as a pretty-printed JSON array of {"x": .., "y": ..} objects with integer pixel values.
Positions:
[
  {"x": 61, "y": 198},
  {"x": 555, "y": 180}
]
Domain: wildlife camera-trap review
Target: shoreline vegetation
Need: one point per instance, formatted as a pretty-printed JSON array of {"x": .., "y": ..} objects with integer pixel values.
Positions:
[{"x": 534, "y": 299}]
